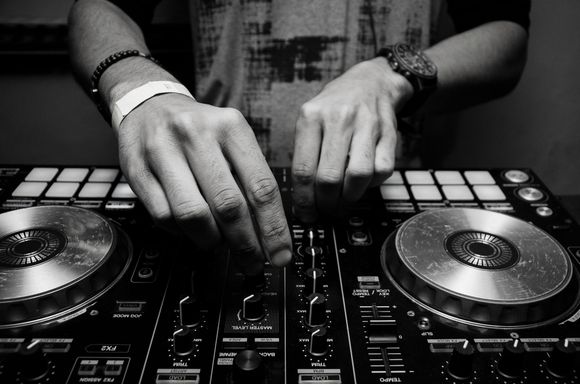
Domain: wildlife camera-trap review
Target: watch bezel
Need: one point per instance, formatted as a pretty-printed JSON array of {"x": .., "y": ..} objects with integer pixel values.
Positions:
[{"x": 430, "y": 71}]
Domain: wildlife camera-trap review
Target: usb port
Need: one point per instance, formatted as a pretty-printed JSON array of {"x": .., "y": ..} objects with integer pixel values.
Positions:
[{"x": 130, "y": 306}]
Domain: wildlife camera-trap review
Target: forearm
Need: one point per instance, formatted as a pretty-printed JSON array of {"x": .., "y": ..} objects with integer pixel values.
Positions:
[
  {"x": 477, "y": 65},
  {"x": 98, "y": 29}
]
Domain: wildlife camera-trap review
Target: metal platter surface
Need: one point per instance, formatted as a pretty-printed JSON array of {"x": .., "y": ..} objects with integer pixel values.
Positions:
[
  {"x": 54, "y": 259},
  {"x": 481, "y": 267}
]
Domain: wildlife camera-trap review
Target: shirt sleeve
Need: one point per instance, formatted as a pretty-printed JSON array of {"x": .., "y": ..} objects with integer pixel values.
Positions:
[
  {"x": 140, "y": 11},
  {"x": 467, "y": 14}
]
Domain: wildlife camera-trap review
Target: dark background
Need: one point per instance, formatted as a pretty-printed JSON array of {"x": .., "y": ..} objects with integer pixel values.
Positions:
[{"x": 45, "y": 118}]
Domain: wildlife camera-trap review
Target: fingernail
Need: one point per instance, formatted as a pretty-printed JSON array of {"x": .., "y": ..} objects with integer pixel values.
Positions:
[{"x": 281, "y": 258}]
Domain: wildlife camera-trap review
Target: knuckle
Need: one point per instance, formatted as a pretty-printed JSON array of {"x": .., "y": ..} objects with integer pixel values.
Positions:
[
  {"x": 341, "y": 113},
  {"x": 229, "y": 205},
  {"x": 264, "y": 191},
  {"x": 275, "y": 230},
  {"x": 190, "y": 211},
  {"x": 310, "y": 110},
  {"x": 232, "y": 116},
  {"x": 329, "y": 176},
  {"x": 359, "y": 173},
  {"x": 303, "y": 174}
]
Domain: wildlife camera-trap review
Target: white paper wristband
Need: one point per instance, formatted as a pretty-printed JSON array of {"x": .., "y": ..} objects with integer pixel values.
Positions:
[{"x": 139, "y": 95}]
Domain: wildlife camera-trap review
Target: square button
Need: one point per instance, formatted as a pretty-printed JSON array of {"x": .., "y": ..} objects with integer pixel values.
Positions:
[
  {"x": 449, "y": 177},
  {"x": 29, "y": 189},
  {"x": 457, "y": 192},
  {"x": 73, "y": 174},
  {"x": 124, "y": 191},
  {"x": 489, "y": 192},
  {"x": 395, "y": 178},
  {"x": 104, "y": 175},
  {"x": 95, "y": 190},
  {"x": 41, "y": 174},
  {"x": 479, "y": 177},
  {"x": 419, "y": 177},
  {"x": 62, "y": 190},
  {"x": 394, "y": 192},
  {"x": 426, "y": 192}
]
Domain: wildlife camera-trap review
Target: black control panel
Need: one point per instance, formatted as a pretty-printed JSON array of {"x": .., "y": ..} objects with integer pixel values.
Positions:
[{"x": 176, "y": 315}]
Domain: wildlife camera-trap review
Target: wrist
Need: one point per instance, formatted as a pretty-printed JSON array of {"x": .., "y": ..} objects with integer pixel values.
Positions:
[{"x": 398, "y": 88}]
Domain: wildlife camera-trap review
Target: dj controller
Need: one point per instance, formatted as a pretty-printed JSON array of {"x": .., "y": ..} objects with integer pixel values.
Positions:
[{"x": 437, "y": 276}]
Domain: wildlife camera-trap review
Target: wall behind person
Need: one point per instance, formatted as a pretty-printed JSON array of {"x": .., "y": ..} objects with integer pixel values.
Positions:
[{"x": 46, "y": 119}]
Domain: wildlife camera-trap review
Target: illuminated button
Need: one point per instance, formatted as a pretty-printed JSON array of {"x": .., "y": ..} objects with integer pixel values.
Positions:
[
  {"x": 544, "y": 211},
  {"x": 123, "y": 191},
  {"x": 488, "y": 192},
  {"x": 419, "y": 177},
  {"x": 395, "y": 178},
  {"x": 457, "y": 192},
  {"x": 73, "y": 174},
  {"x": 29, "y": 189},
  {"x": 394, "y": 192},
  {"x": 426, "y": 192},
  {"x": 95, "y": 190},
  {"x": 479, "y": 177},
  {"x": 516, "y": 176},
  {"x": 449, "y": 177},
  {"x": 104, "y": 175},
  {"x": 62, "y": 190},
  {"x": 530, "y": 194},
  {"x": 41, "y": 174}
]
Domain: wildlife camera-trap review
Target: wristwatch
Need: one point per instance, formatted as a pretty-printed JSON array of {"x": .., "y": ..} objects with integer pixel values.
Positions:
[{"x": 417, "y": 68}]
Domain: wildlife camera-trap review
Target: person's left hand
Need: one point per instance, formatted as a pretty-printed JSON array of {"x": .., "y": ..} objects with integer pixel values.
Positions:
[{"x": 346, "y": 137}]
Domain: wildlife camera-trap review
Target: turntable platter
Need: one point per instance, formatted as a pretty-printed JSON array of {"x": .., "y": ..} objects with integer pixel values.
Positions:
[
  {"x": 55, "y": 260},
  {"x": 481, "y": 267}
]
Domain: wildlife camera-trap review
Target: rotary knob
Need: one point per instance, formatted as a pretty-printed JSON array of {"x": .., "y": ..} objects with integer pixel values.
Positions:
[
  {"x": 248, "y": 368},
  {"x": 511, "y": 362},
  {"x": 310, "y": 237},
  {"x": 561, "y": 360},
  {"x": 316, "y": 310},
  {"x": 253, "y": 307},
  {"x": 314, "y": 280},
  {"x": 460, "y": 366},
  {"x": 318, "y": 342},
  {"x": 312, "y": 256},
  {"x": 32, "y": 363},
  {"x": 182, "y": 342},
  {"x": 189, "y": 312}
]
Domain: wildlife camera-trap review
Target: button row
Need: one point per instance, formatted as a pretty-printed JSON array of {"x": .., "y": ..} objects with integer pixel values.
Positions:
[
  {"x": 451, "y": 192},
  {"x": 443, "y": 178},
  {"x": 47, "y": 174},
  {"x": 68, "y": 189}
]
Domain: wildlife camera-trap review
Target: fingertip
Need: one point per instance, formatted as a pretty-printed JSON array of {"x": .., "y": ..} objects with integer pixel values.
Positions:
[{"x": 281, "y": 257}]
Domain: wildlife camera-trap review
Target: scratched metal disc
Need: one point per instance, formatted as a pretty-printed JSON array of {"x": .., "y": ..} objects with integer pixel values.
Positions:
[
  {"x": 481, "y": 266},
  {"x": 53, "y": 259}
]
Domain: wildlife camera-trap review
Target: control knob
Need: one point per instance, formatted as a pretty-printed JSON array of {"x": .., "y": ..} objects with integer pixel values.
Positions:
[
  {"x": 318, "y": 342},
  {"x": 32, "y": 363},
  {"x": 511, "y": 362},
  {"x": 316, "y": 310},
  {"x": 189, "y": 312},
  {"x": 182, "y": 341},
  {"x": 460, "y": 366},
  {"x": 314, "y": 279},
  {"x": 248, "y": 368},
  {"x": 253, "y": 307},
  {"x": 561, "y": 360}
]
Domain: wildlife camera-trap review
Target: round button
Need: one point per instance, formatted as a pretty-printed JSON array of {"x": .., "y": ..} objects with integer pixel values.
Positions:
[
  {"x": 356, "y": 221},
  {"x": 516, "y": 176},
  {"x": 461, "y": 364},
  {"x": 530, "y": 194},
  {"x": 359, "y": 237},
  {"x": 544, "y": 211},
  {"x": 248, "y": 368}
]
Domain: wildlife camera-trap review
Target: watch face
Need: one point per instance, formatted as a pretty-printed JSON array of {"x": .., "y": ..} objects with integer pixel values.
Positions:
[{"x": 414, "y": 61}]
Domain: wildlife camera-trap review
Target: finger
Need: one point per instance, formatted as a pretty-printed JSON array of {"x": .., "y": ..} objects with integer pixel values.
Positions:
[
  {"x": 361, "y": 164},
  {"x": 263, "y": 195},
  {"x": 386, "y": 147},
  {"x": 307, "y": 142},
  {"x": 228, "y": 206},
  {"x": 332, "y": 164},
  {"x": 189, "y": 208}
]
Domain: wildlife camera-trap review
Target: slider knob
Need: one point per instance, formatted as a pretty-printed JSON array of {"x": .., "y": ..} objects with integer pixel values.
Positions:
[
  {"x": 248, "y": 368},
  {"x": 32, "y": 363},
  {"x": 253, "y": 307},
  {"x": 316, "y": 310},
  {"x": 314, "y": 280},
  {"x": 511, "y": 362},
  {"x": 561, "y": 360},
  {"x": 318, "y": 342},
  {"x": 460, "y": 366},
  {"x": 183, "y": 341},
  {"x": 189, "y": 312}
]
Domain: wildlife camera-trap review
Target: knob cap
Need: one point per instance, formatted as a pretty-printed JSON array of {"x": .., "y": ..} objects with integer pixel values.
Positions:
[
  {"x": 314, "y": 280},
  {"x": 189, "y": 312},
  {"x": 183, "y": 341},
  {"x": 248, "y": 368},
  {"x": 316, "y": 310},
  {"x": 318, "y": 342},
  {"x": 32, "y": 363},
  {"x": 511, "y": 362},
  {"x": 310, "y": 237},
  {"x": 312, "y": 256},
  {"x": 461, "y": 364},
  {"x": 561, "y": 360},
  {"x": 253, "y": 307}
]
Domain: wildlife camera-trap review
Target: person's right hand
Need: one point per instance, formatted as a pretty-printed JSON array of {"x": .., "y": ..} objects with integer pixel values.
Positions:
[{"x": 180, "y": 157}]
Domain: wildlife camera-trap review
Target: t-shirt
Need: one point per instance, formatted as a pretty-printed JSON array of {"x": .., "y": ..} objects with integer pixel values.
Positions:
[{"x": 268, "y": 57}]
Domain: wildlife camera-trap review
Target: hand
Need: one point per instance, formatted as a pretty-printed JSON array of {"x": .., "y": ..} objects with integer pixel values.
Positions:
[
  {"x": 346, "y": 137},
  {"x": 176, "y": 154}
]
